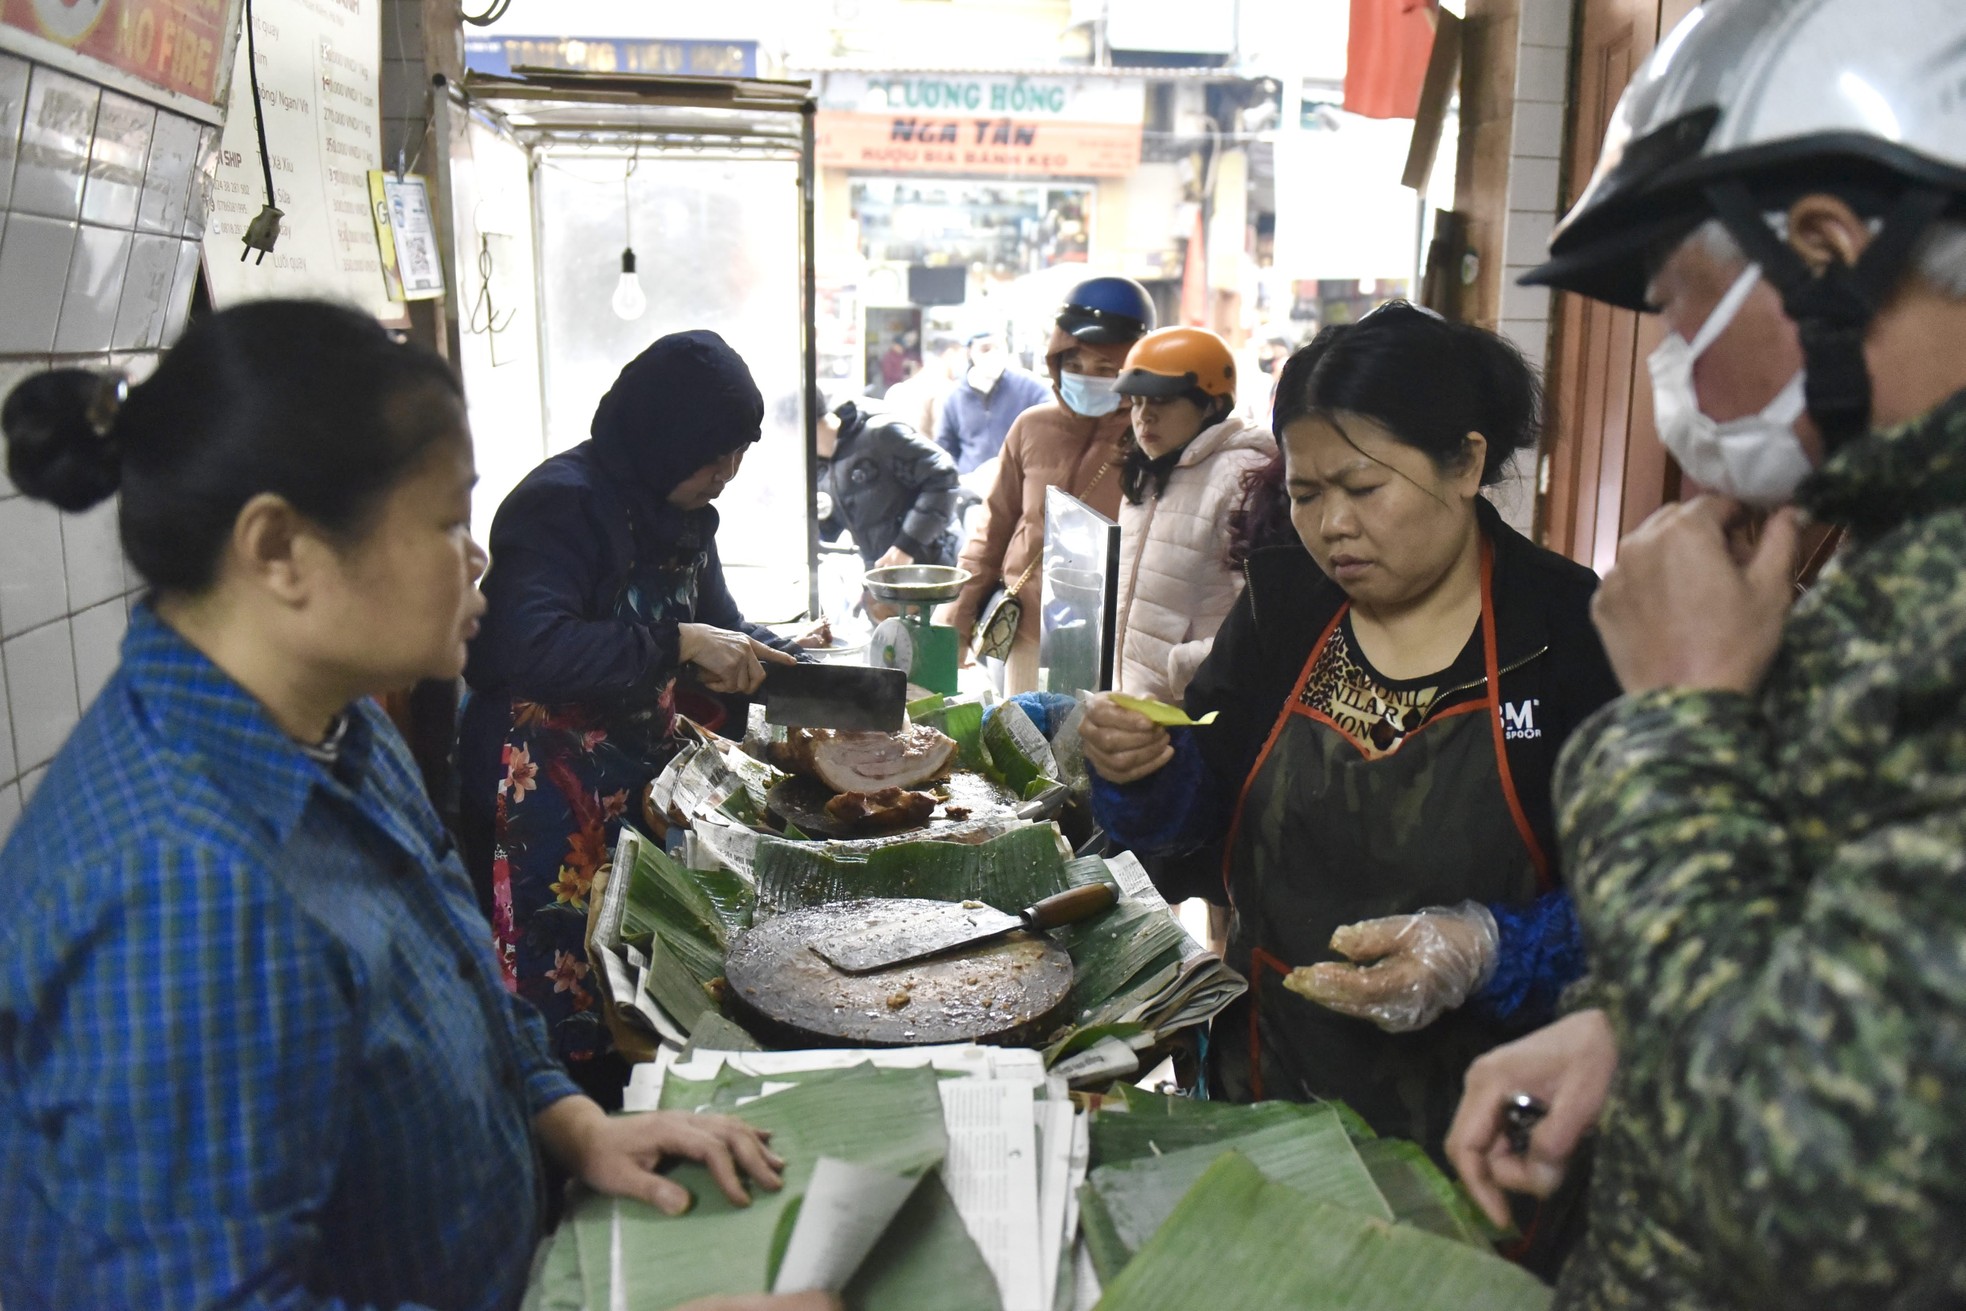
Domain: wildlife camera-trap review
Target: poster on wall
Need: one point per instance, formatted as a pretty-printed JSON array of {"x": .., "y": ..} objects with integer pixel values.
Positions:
[
  {"x": 179, "y": 46},
  {"x": 412, "y": 267},
  {"x": 319, "y": 67}
]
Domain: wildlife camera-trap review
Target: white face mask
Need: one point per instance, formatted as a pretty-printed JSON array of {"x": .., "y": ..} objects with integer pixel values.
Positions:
[
  {"x": 1092, "y": 397},
  {"x": 1757, "y": 459}
]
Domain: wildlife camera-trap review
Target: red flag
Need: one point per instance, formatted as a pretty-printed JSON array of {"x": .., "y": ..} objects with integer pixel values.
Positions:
[{"x": 1386, "y": 56}]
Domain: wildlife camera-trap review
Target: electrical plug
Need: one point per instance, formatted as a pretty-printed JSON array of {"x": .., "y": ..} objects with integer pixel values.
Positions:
[{"x": 262, "y": 233}]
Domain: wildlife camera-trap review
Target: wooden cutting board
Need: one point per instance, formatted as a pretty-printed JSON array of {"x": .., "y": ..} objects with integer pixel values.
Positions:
[{"x": 1011, "y": 992}]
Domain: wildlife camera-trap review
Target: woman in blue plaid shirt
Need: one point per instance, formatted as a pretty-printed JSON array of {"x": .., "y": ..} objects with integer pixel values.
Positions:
[{"x": 254, "y": 1051}]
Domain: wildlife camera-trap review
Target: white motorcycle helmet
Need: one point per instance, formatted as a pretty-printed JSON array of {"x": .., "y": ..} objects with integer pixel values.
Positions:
[{"x": 1748, "y": 105}]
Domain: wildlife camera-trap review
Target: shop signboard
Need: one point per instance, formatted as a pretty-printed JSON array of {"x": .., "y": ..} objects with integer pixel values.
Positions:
[
  {"x": 980, "y": 125},
  {"x": 500, "y": 55},
  {"x": 182, "y": 47},
  {"x": 319, "y": 62}
]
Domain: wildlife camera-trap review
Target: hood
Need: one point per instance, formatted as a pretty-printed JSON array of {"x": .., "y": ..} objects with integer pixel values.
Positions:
[
  {"x": 1062, "y": 341},
  {"x": 685, "y": 401},
  {"x": 1234, "y": 433},
  {"x": 862, "y": 413}
]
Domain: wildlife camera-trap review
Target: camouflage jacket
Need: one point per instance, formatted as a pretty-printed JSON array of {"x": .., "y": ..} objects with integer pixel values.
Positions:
[{"x": 1774, "y": 894}]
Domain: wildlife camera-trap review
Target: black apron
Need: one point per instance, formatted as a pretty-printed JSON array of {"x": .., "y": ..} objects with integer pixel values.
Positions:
[{"x": 1324, "y": 836}]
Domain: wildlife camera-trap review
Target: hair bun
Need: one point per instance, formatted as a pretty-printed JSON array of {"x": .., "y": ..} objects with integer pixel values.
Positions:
[
  {"x": 59, "y": 444},
  {"x": 1511, "y": 400}
]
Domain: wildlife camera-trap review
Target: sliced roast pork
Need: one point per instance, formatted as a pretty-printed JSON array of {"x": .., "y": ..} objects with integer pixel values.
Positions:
[
  {"x": 885, "y": 811},
  {"x": 867, "y": 762}
]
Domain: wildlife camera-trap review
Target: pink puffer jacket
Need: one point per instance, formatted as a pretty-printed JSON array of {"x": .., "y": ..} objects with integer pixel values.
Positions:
[{"x": 1176, "y": 586}]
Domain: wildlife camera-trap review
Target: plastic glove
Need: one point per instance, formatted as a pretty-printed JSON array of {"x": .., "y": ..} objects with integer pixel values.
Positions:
[{"x": 1410, "y": 968}]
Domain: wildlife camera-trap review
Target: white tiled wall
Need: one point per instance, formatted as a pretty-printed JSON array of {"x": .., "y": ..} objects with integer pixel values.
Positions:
[
  {"x": 102, "y": 204},
  {"x": 1542, "y": 73}
]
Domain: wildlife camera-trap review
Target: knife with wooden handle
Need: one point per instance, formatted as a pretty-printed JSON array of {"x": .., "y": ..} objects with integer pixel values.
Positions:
[{"x": 961, "y": 925}]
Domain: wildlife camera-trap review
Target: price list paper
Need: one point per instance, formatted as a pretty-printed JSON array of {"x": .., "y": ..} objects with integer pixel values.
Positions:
[{"x": 319, "y": 85}]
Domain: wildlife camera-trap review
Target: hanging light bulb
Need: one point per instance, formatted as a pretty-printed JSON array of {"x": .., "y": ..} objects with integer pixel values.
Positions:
[{"x": 629, "y": 301}]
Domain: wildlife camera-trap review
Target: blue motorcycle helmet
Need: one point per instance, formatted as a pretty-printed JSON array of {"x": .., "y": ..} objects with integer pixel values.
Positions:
[{"x": 1107, "y": 310}]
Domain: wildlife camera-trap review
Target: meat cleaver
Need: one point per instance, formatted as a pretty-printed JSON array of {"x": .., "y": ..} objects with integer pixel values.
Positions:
[
  {"x": 961, "y": 924},
  {"x": 851, "y": 697}
]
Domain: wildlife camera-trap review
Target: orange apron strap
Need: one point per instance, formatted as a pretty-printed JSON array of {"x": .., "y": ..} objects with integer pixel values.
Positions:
[
  {"x": 1492, "y": 667},
  {"x": 1269, "y": 743}
]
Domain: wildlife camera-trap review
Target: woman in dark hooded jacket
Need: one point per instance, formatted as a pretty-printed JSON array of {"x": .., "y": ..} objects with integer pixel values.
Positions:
[{"x": 604, "y": 583}]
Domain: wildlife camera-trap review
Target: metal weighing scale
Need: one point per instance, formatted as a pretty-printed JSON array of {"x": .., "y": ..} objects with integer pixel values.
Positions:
[{"x": 912, "y": 641}]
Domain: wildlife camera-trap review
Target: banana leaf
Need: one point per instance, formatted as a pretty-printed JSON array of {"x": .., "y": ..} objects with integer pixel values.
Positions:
[
  {"x": 1155, "y": 1125},
  {"x": 1355, "y": 1124},
  {"x": 703, "y": 960},
  {"x": 1017, "y": 752},
  {"x": 1288, "y": 1252},
  {"x": 1085, "y": 870},
  {"x": 962, "y": 719},
  {"x": 1159, "y": 712},
  {"x": 1422, "y": 1195},
  {"x": 925, "y": 1259},
  {"x": 555, "y": 1282},
  {"x": 1115, "y": 955},
  {"x": 1009, "y": 872},
  {"x": 1080, "y": 1039},
  {"x": 674, "y": 985},
  {"x": 888, "y": 1119},
  {"x": 729, "y": 1086},
  {"x": 714, "y": 1033},
  {"x": 1123, "y": 1205},
  {"x": 707, "y": 904}
]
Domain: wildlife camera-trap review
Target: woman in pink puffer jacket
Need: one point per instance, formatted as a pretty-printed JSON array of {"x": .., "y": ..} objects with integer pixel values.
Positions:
[{"x": 1182, "y": 477}]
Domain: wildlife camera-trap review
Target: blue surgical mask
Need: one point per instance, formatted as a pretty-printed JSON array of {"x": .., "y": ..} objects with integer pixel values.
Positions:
[{"x": 1092, "y": 397}]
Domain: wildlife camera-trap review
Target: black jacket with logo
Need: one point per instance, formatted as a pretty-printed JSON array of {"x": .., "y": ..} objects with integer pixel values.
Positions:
[
  {"x": 1553, "y": 674},
  {"x": 890, "y": 486}
]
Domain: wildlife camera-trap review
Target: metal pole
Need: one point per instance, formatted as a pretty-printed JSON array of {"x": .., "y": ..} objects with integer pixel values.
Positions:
[
  {"x": 809, "y": 306},
  {"x": 440, "y": 133},
  {"x": 1419, "y": 247}
]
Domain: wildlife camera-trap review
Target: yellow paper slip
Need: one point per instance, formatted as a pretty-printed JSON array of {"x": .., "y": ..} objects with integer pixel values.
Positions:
[{"x": 1162, "y": 713}]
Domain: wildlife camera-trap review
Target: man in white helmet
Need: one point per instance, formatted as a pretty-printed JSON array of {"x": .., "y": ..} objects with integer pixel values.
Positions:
[{"x": 1766, "y": 835}]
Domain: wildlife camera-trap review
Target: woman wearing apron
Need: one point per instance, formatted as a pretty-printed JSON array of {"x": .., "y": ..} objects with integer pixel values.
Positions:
[
  {"x": 605, "y": 582},
  {"x": 1391, "y": 705}
]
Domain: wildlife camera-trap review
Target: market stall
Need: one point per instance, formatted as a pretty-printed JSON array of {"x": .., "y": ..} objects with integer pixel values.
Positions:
[
  {"x": 903, "y": 952},
  {"x": 961, "y": 1124}
]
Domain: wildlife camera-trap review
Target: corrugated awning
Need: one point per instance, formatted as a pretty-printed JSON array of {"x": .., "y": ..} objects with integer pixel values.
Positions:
[{"x": 646, "y": 114}]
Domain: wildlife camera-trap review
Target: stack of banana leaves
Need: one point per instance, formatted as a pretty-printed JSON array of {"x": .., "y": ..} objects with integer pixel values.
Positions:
[
  {"x": 1273, "y": 1207},
  {"x": 885, "y": 1127},
  {"x": 1295, "y": 1205},
  {"x": 664, "y": 925}
]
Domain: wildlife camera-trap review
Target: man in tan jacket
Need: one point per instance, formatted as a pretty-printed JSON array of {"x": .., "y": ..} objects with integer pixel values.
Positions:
[{"x": 1075, "y": 442}]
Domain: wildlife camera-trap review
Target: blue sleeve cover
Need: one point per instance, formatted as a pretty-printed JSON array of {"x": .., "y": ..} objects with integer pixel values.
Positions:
[
  {"x": 1169, "y": 811},
  {"x": 1541, "y": 953}
]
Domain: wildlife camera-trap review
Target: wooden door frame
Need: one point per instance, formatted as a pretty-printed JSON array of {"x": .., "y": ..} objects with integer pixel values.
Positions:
[{"x": 1605, "y": 470}]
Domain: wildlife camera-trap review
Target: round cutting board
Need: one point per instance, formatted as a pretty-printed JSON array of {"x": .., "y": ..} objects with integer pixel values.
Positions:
[{"x": 1009, "y": 992}]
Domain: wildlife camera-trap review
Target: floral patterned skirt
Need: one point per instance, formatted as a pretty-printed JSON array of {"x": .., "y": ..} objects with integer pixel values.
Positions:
[{"x": 569, "y": 781}]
